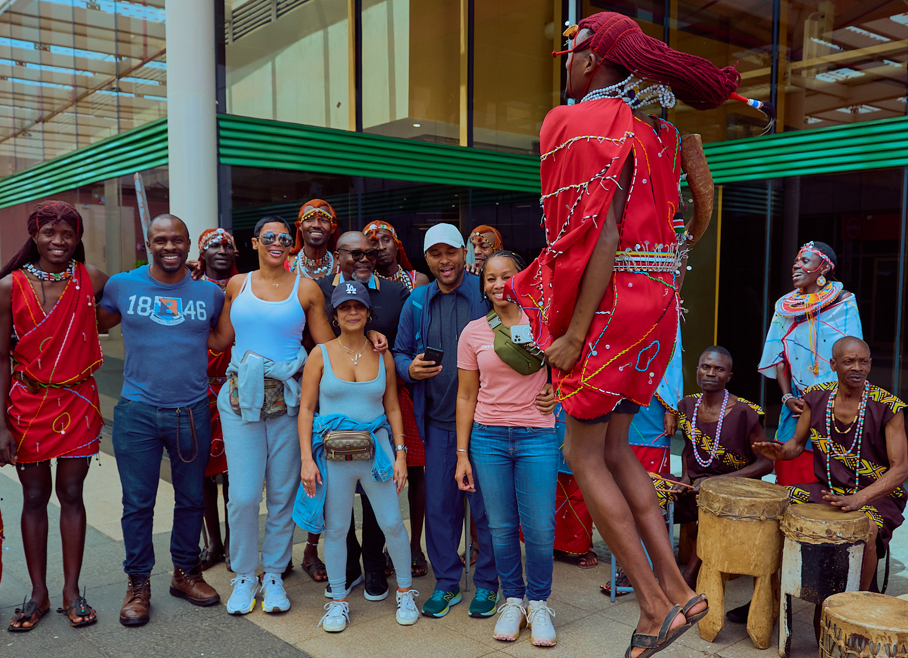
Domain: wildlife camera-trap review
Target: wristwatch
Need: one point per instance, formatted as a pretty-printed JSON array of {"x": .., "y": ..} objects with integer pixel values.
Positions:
[{"x": 400, "y": 448}]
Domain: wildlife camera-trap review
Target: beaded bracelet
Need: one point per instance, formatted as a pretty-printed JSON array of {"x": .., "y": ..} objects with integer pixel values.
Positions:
[{"x": 787, "y": 397}]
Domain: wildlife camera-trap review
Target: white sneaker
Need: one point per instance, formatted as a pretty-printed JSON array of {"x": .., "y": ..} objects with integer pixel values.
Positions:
[
  {"x": 540, "y": 620},
  {"x": 274, "y": 596},
  {"x": 512, "y": 616},
  {"x": 242, "y": 600},
  {"x": 407, "y": 613},
  {"x": 335, "y": 620}
]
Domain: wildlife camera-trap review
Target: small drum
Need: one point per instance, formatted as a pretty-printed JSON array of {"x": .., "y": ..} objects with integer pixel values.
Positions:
[
  {"x": 739, "y": 534},
  {"x": 864, "y": 625},
  {"x": 824, "y": 549}
]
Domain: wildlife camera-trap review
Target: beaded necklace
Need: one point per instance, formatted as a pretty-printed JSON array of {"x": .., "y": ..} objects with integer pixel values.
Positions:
[
  {"x": 221, "y": 283},
  {"x": 797, "y": 304},
  {"x": 401, "y": 277},
  {"x": 715, "y": 447},
  {"x": 629, "y": 91},
  {"x": 310, "y": 267},
  {"x": 858, "y": 435},
  {"x": 41, "y": 275}
]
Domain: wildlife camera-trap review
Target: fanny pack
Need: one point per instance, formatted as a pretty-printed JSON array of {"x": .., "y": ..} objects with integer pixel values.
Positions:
[
  {"x": 524, "y": 359},
  {"x": 349, "y": 446},
  {"x": 274, "y": 405}
]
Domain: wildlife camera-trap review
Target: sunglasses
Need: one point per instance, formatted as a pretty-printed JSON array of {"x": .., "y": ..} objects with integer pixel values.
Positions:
[
  {"x": 357, "y": 254},
  {"x": 284, "y": 239}
]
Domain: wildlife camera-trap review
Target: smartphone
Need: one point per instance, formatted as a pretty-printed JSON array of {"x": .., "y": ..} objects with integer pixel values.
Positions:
[
  {"x": 521, "y": 334},
  {"x": 434, "y": 354}
]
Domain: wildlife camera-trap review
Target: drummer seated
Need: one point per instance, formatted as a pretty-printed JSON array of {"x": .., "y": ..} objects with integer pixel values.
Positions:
[
  {"x": 715, "y": 413},
  {"x": 859, "y": 448}
]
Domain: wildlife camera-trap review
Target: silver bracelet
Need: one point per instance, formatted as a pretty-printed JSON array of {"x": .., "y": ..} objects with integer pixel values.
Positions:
[{"x": 461, "y": 450}]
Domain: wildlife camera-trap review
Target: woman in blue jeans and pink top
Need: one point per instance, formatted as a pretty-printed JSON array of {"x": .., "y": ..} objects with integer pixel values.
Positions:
[{"x": 513, "y": 445}]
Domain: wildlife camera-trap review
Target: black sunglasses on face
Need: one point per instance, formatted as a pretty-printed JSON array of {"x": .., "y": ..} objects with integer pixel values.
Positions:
[
  {"x": 357, "y": 254},
  {"x": 284, "y": 239}
]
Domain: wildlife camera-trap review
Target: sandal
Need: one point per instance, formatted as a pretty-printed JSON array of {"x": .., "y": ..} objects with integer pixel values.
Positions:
[
  {"x": 621, "y": 580},
  {"x": 209, "y": 559},
  {"x": 80, "y": 605},
  {"x": 420, "y": 566},
  {"x": 578, "y": 561},
  {"x": 24, "y": 614},
  {"x": 474, "y": 555},
  {"x": 694, "y": 618},
  {"x": 652, "y": 644},
  {"x": 311, "y": 568}
]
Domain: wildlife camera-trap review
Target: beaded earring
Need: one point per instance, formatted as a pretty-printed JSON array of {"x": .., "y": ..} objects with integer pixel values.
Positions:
[{"x": 821, "y": 281}]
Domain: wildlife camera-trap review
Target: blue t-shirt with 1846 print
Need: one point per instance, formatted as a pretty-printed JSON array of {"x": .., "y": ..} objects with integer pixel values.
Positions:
[{"x": 165, "y": 333}]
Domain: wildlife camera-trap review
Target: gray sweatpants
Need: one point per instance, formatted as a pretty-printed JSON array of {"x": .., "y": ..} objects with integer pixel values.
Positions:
[
  {"x": 342, "y": 479},
  {"x": 264, "y": 453}
]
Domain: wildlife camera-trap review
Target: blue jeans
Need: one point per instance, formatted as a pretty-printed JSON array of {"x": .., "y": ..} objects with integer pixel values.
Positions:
[
  {"x": 518, "y": 468},
  {"x": 141, "y": 432},
  {"x": 444, "y": 517}
]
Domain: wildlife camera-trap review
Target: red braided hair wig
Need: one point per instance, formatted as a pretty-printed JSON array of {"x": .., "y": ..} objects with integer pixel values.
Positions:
[
  {"x": 694, "y": 80},
  {"x": 46, "y": 212},
  {"x": 324, "y": 206}
]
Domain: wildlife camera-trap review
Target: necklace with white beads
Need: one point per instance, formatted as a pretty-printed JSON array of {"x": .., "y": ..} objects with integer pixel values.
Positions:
[
  {"x": 629, "y": 91},
  {"x": 715, "y": 447}
]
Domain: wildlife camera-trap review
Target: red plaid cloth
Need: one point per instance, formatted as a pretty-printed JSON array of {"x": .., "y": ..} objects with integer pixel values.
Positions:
[{"x": 416, "y": 451}]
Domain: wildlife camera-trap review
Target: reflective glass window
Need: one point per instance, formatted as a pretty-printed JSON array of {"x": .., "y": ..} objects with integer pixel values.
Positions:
[{"x": 289, "y": 61}]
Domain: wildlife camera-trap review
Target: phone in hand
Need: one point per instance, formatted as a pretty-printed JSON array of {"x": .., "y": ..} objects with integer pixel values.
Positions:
[
  {"x": 434, "y": 354},
  {"x": 521, "y": 334}
]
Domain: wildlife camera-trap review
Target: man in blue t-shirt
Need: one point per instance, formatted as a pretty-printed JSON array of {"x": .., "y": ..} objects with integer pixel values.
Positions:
[{"x": 165, "y": 317}]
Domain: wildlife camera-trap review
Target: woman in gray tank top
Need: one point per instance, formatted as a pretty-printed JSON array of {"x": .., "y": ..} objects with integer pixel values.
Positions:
[{"x": 355, "y": 390}]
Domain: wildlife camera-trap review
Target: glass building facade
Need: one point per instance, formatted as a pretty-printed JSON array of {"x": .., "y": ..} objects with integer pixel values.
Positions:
[{"x": 419, "y": 111}]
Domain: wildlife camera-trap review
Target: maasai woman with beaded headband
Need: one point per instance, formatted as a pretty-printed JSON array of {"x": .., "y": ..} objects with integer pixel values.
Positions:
[
  {"x": 602, "y": 297},
  {"x": 50, "y": 408},
  {"x": 316, "y": 240},
  {"x": 486, "y": 240},
  {"x": 806, "y": 324}
]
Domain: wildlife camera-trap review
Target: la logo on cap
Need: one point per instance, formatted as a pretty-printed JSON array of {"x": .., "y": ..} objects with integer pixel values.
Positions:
[{"x": 351, "y": 289}]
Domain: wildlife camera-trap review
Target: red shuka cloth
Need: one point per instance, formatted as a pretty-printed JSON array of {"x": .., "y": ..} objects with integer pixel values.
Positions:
[
  {"x": 630, "y": 339},
  {"x": 58, "y": 351},
  {"x": 217, "y": 377}
]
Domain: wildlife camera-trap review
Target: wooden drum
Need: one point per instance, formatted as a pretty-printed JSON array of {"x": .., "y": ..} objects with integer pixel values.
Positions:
[
  {"x": 739, "y": 534},
  {"x": 824, "y": 550},
  {"x": 864, "y": 625}
]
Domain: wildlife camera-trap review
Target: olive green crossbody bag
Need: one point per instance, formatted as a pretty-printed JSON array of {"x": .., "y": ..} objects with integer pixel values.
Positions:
[{"x": 524, "y": 358}]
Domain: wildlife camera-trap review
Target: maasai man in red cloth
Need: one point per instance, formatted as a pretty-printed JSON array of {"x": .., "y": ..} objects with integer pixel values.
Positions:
[
  {"x": 602, "y": 297},
  {"x": 316, "y": 240},
  {"x": 860, "y": 453},
  {"x": 50, "y": 406},
  {"x": 486, "y": 240},
  {"x": 217, "y": 253},
  {"x": 392, "y": 262}
]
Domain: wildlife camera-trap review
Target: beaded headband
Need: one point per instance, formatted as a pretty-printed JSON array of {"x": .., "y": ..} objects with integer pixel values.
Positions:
[
  {"x": 374, "y": 227},
  {"x": 214, "y": 236},
  {"x": 811, "y": 249},
  {"x": 318, "y": 211},
  {"x": 482, "y": 239}
]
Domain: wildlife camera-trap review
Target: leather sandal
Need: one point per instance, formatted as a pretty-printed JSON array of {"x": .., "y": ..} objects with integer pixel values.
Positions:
[
  {"x": 693, "y": 619},
  {"x": 652, "y": 644},
  {"x": 82, "y": 609},
  {"x": 25, "y": 614}
]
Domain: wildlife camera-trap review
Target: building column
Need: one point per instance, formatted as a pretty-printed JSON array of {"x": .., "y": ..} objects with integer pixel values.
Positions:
[{"x": 192, "y": 113}]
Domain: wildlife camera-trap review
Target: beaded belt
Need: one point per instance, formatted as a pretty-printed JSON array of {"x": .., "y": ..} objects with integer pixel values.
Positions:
[
  {"x": 34, "y": 386},
  {"x": 645, "y": 261}
]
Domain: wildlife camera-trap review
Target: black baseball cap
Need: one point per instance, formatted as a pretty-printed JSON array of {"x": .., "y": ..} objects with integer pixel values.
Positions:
[{"x": 350, "y": 290}]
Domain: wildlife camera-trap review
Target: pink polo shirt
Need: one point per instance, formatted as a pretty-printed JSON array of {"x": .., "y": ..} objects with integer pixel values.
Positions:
[{"x": 506, "y": 398}]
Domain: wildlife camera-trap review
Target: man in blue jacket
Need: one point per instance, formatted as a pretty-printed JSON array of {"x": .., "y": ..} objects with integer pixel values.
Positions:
[{"x": 433, "y": 317}]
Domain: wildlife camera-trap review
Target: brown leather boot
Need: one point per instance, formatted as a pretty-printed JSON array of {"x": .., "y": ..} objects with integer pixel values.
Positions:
[
  {"x": 190, "y": 585},
  {"x": 136, "y": 602}
]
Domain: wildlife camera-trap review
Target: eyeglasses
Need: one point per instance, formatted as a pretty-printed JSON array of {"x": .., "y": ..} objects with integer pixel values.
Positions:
[
  {"x": 284, "y": 239},
  {"x": 357, "y": 254}
]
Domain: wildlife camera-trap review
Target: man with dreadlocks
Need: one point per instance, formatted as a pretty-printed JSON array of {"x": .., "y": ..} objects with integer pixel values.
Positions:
[
  {"x": 50, "y": 407},
  {"x": 316, "y": 240},
  {"x": 602, "y": 296}
]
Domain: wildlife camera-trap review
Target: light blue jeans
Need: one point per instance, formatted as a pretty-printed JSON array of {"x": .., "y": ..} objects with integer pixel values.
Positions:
[
  {"x": 518, "y": 470},
  {"x": 266, "y": 451}
]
